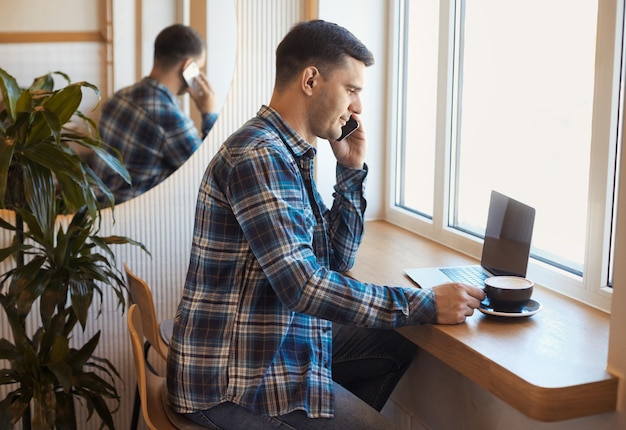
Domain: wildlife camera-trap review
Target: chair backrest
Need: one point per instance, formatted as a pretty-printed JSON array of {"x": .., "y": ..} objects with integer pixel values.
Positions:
[
  {"x": 156, "y": 414},
  {"x": 141, "y": 294},
  {"x": 148, "y": 383}
]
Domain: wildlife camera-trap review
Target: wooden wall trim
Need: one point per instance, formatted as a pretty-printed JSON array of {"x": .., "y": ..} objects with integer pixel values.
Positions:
[
  {"x": 51, "y": 36},
  {"x": 310, "y": 10},
  {"x": 138, "y": 39}
]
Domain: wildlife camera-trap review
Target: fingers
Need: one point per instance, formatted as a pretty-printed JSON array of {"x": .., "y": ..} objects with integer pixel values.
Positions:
[
  {"x": 202, "y": 94},
  {"x": 456, "y": 302},
  {"x": 204, "y": 84},
  {"x": 351, "y": 151},
  {"x": 475, "y": 291},
  {"x": 478, "y": 294},
  {"x": 358, "y": 134}
]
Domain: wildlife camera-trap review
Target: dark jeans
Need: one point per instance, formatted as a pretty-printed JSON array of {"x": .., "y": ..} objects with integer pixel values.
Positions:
[
  {"x": 367, "y": 365},
  {"x": 370, "y": 362}
]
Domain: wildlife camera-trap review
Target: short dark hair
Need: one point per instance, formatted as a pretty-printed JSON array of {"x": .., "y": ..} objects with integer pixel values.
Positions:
[
  {"x": 175, "y": 43},
  {"x": 319, "y": 43}
]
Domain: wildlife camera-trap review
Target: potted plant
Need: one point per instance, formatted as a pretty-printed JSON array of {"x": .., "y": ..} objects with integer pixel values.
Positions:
[{"x": 61, "y": 263}]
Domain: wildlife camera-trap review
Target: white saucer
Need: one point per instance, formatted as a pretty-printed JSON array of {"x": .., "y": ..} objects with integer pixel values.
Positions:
[{"x": 531, "y": 308}]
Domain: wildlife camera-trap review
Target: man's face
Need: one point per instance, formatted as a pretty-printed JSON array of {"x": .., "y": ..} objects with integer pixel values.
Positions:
[{"x": 336, "y": 97}]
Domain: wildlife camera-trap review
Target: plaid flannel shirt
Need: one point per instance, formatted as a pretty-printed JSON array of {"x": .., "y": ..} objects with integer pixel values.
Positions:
[
  {"x": 155, "y": 137},
  {"x": 264, "y": 283}
]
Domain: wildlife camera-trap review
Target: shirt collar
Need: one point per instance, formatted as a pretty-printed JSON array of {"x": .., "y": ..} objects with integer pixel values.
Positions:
[
  {"x": 297, "y": 143},
  {"x": 159, "y": 86}
]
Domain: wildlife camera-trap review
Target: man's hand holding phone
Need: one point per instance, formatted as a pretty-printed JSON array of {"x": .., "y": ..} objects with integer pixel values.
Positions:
[
  {"x": 351, "y": 147},
  {"x": 350, "y": 127},
  {"x": 190, "y": 73},
  {"x": 199, "y": 88}
]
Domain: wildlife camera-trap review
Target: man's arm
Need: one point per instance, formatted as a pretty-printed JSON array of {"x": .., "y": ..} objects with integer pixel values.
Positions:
[{"x": 205, "y": 99}]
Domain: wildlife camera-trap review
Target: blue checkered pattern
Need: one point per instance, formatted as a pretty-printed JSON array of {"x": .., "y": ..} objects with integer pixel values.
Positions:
[
  {"x": 253, "y": 326},
  {"x": 155, "y": 137}
]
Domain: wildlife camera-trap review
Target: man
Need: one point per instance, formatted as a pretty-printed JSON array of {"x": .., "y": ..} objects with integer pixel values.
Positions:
[
  {"x": 144, "y": 121},
  {"x": 267, "y": 320}
]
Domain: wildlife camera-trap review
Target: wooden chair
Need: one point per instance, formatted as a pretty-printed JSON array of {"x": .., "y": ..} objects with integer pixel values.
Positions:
[
  {"x": 141, "y": 295},
  {"x": 152, "y": 389}
]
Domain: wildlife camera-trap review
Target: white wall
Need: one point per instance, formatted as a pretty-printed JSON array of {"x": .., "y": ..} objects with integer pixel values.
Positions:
[{"x": 35, "y": 14}]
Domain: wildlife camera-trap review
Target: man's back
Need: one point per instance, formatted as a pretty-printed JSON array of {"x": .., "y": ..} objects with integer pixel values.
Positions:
[{"x": 154, "y": 137}]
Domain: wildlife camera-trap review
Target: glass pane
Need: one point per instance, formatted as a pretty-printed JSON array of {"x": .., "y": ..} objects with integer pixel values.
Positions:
[
  {"x": 524, "y": 114},
  {"x": 416, "y": 159}
]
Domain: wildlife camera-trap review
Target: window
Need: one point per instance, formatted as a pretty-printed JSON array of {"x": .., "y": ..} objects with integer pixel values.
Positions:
[{"x": 511, "y": 96}]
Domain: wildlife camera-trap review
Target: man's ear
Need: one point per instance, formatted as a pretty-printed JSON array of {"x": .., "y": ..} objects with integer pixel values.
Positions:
[{"x": 310, "y": 76}]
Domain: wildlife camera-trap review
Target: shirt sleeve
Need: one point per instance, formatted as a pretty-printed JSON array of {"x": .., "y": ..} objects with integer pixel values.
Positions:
[
  {"x": 346, "y": 217},
  {"x": 270, "y": 203},
  {"x": 181, "y": 135},
  {"x": 208, "y": 121}
]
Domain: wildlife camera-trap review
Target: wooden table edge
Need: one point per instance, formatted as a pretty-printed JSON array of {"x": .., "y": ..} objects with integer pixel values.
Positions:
[
  {"x": 595, "y": 393},
  {"x": 547, "y": 404}
]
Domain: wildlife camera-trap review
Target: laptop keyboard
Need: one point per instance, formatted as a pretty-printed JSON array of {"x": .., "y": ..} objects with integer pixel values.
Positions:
[{"x": 472, "y": 275}]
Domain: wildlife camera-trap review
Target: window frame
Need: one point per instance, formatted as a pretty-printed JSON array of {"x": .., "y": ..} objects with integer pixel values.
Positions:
[{"x": 591, "y": 287}]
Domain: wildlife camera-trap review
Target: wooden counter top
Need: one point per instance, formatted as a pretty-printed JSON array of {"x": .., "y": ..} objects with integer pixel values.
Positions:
[{"x": 551, "y": 366}]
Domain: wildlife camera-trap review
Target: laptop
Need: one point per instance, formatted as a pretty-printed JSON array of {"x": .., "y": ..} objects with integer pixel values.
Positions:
[{"x": 506, "y": 247}]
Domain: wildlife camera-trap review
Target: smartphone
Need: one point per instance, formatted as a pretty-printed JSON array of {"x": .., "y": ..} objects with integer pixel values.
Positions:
[
  {"x": 190, "y": 72},
  {"x": 347, "y": 129}
]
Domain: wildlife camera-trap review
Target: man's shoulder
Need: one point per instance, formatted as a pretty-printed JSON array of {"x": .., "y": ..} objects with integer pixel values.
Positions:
[
  {"x": 251, "y": 146},
  {"x": 143, "y": 92},
  {"x": 141, "y": 100},
  {"x": 254, "y": 135}
]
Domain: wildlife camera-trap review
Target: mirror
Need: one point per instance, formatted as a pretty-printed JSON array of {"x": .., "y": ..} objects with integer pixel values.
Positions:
[{"x": 79, "y": 46}]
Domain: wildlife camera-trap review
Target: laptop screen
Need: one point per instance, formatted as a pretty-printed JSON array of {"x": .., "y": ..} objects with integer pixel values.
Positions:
[{"x": 507, "y": 237}]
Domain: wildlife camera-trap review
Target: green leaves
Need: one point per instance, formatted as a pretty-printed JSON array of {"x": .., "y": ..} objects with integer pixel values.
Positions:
[
  {"x": 65, "y": 272},
  {"x": 11, "y": 92},
  {"x": 62, "y": 265},
  {"x": 33, "y": 129},
  {"x": 7, "y": 148},
  {"x": 57, "y": 109},
  {"x": 52, "y": 372}
]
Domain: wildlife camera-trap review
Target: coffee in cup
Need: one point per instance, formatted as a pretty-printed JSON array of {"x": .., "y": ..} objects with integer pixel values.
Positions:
[{"x": 508, "y": 293}]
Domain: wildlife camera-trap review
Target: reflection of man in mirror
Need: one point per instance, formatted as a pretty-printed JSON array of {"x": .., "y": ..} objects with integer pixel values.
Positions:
[
  {"x": 145, "y": 123},
  {"x": 269, "y": 332}
]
